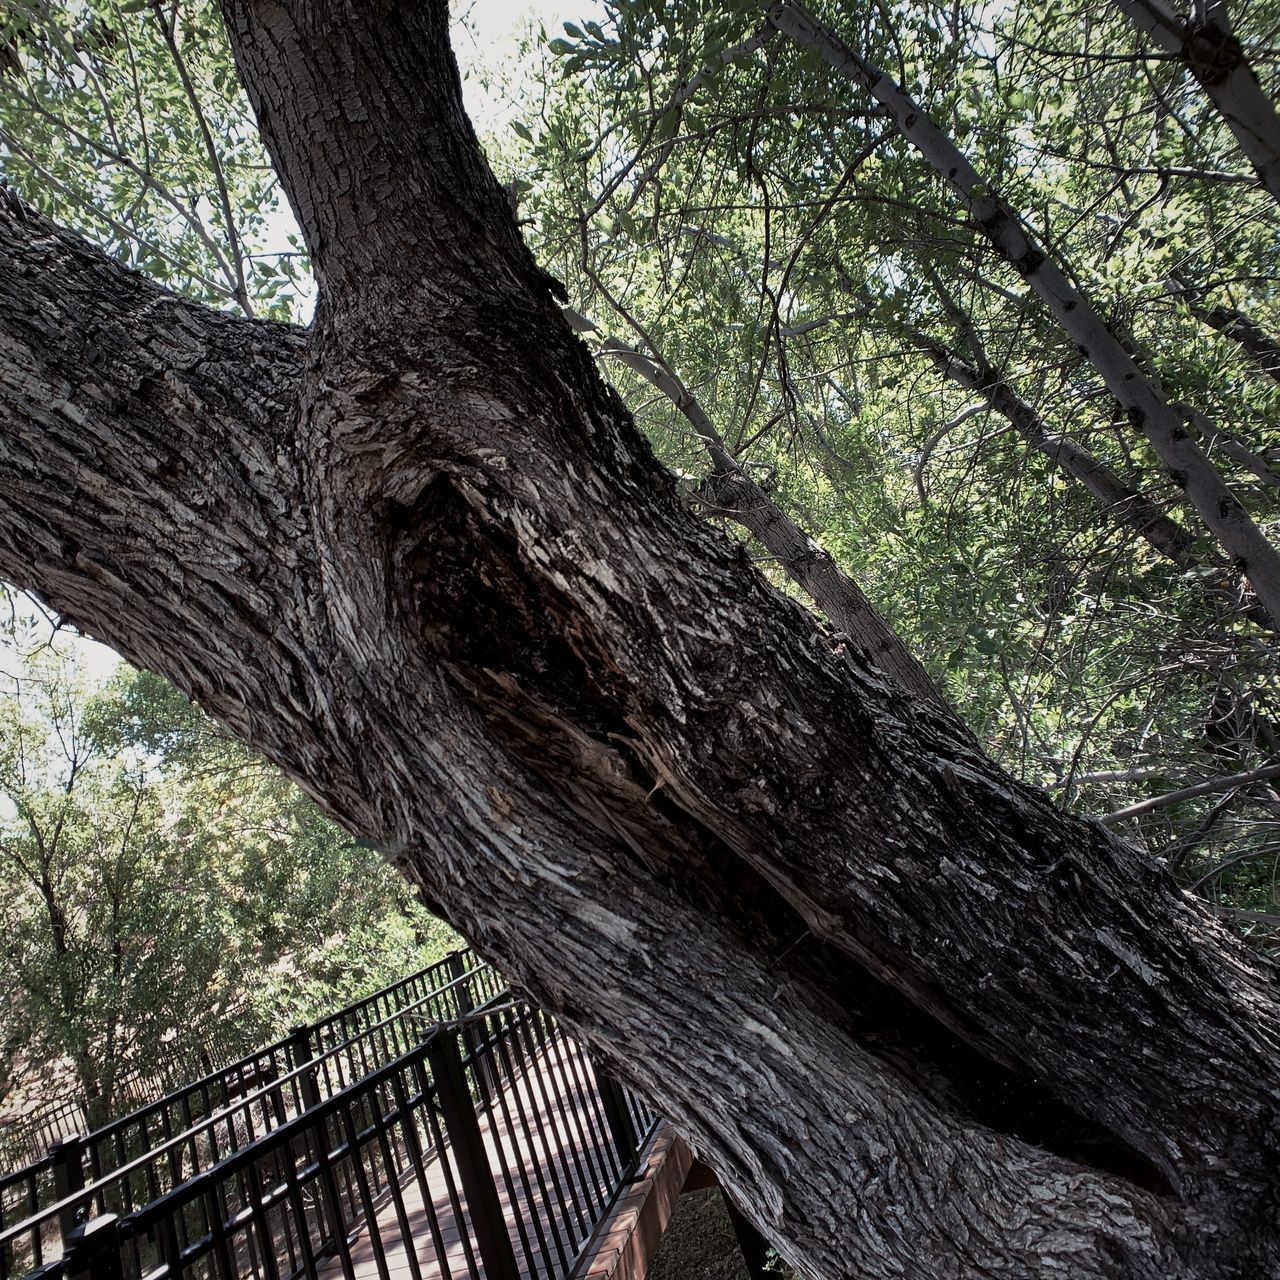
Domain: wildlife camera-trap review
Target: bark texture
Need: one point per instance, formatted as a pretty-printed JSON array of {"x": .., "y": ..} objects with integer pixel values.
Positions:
[
  {"x": 732, "y": 492},
  {"x": 921, "y": 1023}
]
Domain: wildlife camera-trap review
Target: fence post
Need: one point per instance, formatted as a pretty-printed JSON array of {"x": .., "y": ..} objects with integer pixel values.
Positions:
[
  {"x": 457, "y": 967},
  {"x": 93, "y": 1250},
  {"x": 472, "y": 1035},
  {"x": 299, "y": 1056},
  {"x": 755, "y": 1248},
  {"x": 618, "y": 1117},
  {"x": 474, "y": 1171},
  {"x": 331, "y": 1217},
  {"x": 67, "y": 1155}
]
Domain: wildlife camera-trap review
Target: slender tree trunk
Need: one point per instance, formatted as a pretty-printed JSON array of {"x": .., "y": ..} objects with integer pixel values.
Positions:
[
  {"x": 1164, "y": 428},
  {"x": 1119, "y": 502},
  {"x": 921, "y": 1023},
  {"x": 1216, "y": 58}
]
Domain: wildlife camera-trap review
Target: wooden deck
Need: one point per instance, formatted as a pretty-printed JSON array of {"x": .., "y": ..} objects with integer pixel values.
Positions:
[{"x": 552, "y": 1159}]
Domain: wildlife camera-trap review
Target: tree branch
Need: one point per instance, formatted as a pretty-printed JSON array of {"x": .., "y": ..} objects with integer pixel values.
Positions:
[
  {"x": 1205, "y": 788},
  {"x": 133, "y": 423},
  {"x": 1207, "y": 47},
  {"x": 731, "y": 491},
  {"x": 1119, "y": 502},
  {"x": 1148, "y": 410}
]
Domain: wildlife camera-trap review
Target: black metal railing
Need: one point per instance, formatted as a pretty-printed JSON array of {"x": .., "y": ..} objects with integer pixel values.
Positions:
[
  {"x": 491, "y": 1147},
  {"x": 196, "y": 1125},
  {"x": 28, "y": 1137}
]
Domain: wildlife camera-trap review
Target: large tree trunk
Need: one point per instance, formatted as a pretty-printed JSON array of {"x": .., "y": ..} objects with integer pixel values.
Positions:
[{"x": 920, "y": 1022}]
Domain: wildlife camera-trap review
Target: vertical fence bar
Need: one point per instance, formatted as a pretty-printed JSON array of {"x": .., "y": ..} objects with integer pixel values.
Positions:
[
  {"x": 543, "y": 1207},
  {"x": 309, "y": 1094},
  {"x": 618, "y": 1118},
  {"x": 478, "y": 1186},
  {"x": 472, "y": 1036},
  {"x": 67, "y": 1155}
]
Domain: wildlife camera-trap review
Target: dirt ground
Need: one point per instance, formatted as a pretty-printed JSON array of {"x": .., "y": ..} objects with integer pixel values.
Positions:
[{"x": 699, "y": 1243}]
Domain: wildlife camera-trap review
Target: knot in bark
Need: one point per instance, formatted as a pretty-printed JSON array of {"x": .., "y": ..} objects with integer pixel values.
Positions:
[{"x": 1211, "y": 53}]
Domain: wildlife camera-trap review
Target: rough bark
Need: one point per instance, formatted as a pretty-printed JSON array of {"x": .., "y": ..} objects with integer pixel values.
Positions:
[
  {"x": 921, "y": 1023},
  {"x": 1160, "y": 423},
  {"x": 1212, "y": 54}
]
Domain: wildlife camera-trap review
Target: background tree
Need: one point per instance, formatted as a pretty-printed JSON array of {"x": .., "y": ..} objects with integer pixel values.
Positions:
[{"x": 170, "y": 898}]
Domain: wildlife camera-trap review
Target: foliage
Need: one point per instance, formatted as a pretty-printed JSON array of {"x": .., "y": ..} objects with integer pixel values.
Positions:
[
  {"x": 169, "y": 897},
  {"x": 128, "y": 120}
]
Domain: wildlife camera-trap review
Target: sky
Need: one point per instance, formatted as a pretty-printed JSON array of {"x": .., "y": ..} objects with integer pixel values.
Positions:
[{"x": 486, "y": 38}]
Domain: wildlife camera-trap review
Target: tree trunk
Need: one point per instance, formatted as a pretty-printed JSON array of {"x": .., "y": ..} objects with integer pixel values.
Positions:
[
  {"x": 921, "y": 1023},
  {"x": 1119, "y": 502}
]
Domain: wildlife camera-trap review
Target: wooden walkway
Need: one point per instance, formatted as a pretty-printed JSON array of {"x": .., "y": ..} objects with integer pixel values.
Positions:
[{"x": 552, "y": 1158}]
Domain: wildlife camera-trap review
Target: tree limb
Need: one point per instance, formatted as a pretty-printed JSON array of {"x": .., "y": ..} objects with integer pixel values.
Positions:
[
  {"x": 1208, "y": 787},
  {"x": 1209, "y": 49},
  {"x": 1143, "y": 401}
]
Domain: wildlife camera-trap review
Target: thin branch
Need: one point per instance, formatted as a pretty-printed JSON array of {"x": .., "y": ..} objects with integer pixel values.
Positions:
[
  {"x": 241, "y": 292},
  {"x": 1189, "y": 793}
]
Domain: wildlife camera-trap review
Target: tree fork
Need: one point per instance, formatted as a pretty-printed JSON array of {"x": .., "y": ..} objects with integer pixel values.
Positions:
[{"x": 436, "y": 575}]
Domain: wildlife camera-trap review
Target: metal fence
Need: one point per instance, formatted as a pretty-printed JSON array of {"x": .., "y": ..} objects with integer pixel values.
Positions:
[
  {"x": 486, "y": 1146},
  {"x": 206, "y": 1118},
  {"x": 29, "y": 1137}
]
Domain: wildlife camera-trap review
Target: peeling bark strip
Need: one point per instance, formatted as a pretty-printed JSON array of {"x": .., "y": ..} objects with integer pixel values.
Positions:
[
  {"x": 1164, "y": 428},
  {"x": 1215, "y": 57},
  {"x": 921, "y": 1023}
]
